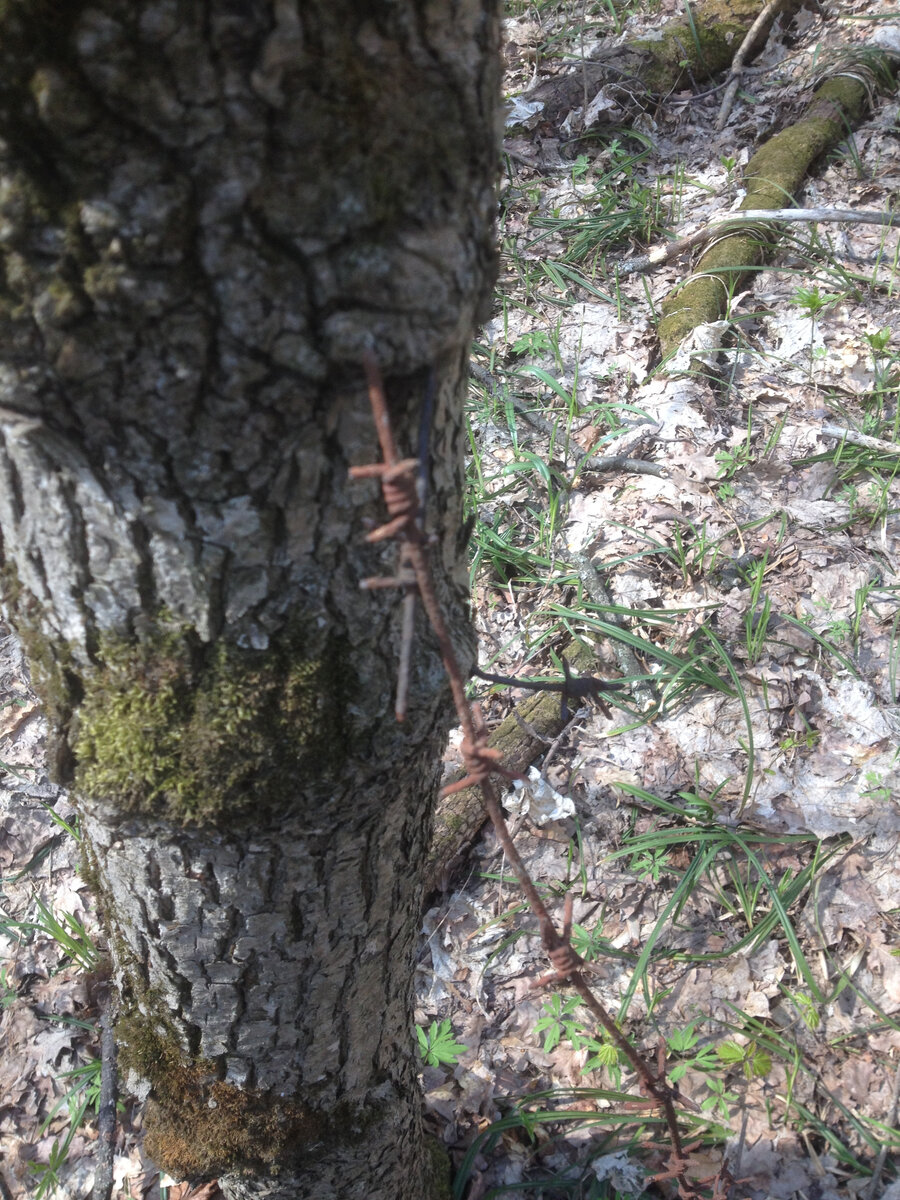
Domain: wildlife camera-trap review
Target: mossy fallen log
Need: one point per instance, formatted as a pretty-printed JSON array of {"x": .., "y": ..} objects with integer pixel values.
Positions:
[
  {"x": 663, "y": 61},
  {"x": 773, "y": 174}
]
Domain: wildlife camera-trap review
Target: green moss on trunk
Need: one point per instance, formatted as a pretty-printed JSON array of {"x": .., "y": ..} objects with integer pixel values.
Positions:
[
  {"x": 199, "y": 1127},
  {"x": 192, "y": 732}
]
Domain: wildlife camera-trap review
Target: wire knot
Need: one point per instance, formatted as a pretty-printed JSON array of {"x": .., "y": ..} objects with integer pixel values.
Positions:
[
  {"x": 479, "y": 759},
  {"x": 565, "y": 960},
  {"x": 401, "y": 497},
  {"x": 398, "y": 486}
]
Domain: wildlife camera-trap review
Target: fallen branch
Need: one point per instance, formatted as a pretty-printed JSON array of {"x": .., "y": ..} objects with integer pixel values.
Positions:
[
  {"x": 571, "y": 687},
  {"x": 106, "y": 1112},
  {"x": 459, "y": 817},
  {"x": 629, "y": 466},
  {"x": 746, "y": 48},
  {"x": 753, "y": 219},
  {"x": 879, "y": 445},
  {"x": 586, "y": 462}
]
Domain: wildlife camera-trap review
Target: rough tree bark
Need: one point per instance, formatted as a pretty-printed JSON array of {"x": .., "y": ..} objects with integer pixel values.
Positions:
[{"x": 208, "y": 211}]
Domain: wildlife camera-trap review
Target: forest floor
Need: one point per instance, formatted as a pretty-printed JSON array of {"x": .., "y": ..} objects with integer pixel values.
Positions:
[{"x": 730, "y": 833}]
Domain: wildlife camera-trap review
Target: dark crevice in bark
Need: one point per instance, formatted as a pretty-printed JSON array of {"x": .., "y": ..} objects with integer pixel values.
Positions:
[
  {"x": 140, "y": 539},
  {"x": 15, "y": 490}
]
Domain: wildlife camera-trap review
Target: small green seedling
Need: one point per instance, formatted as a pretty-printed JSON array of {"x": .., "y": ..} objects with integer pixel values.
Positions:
[
  {"x": 589, "y": 943},
  {"x": 606, "y": 1054},
  {"x": 650, "y": 864},
  {"x": 437, "y": 1045},
  {"x": 806, "y": 1007},
  {"x": 686, "y": 1044},
  {"x": 729, "y": 462},
  {"x": 754, "y": 1063},
  {"x": 558, "y": 1021},
  {"x": 875, "y": 788},
  {"x": 535, "y": 342},
  {"x": 719, "y": 1102},
  {"x": 813, "y": 301},
  {"x": 580, "y": 167},
  {"x": 878, "y": 341}
]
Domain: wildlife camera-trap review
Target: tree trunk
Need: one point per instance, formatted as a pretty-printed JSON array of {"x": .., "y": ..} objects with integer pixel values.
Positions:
[{"x": 208, "y": 212}]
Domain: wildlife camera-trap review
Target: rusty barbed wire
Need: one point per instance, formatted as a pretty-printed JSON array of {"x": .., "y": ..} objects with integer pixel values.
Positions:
[{"x": 398, "y": 478}]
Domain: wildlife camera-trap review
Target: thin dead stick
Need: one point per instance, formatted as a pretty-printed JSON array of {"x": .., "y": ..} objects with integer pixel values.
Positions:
[
  {"x": 735, "y": 222},
  {"x": 486, "y": 379},
  {"x": 611, "y": 462},
  {"x": 106, "y": 1112},
  {"x": 625, "y": 656},
  {"x": 407, "y": 633},
  {"x": 398, "y": 481},
  {"x": 571, "y": 687},
  {"x": 737, "y": 1153},
  {"x": 744, "y": 50},
  {"x": 630, "y": 466},
  {"x": 879, "y": 445},
  {"x": 554, "y": 746}
]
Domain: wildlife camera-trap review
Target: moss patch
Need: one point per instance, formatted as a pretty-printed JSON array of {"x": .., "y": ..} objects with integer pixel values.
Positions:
[
  {"x": 199, "y": 1127},
  {"x": 191, "y": 732},
  {"x": 438, "y": 1181},
  {"x": 701, "y": 47}
]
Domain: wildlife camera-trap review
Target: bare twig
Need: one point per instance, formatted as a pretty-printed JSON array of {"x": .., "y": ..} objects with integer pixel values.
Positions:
[
  {"x": 398, "y": 481},
  {"x": 486, "y": 379},
  {"x": 734, "y": 1164},
  {"x": 633, "y": 466},
  {"x": 879, "y": 445},
  {"x": 571, "y": 687},
  {"x": 106, "y": 1113},
  {"x": 554, "y": 746},
  {"x": 746, "y": 48}
]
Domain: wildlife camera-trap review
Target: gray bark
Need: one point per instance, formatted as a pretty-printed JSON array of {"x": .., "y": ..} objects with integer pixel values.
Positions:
[{"x": 208, "y": 211}]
